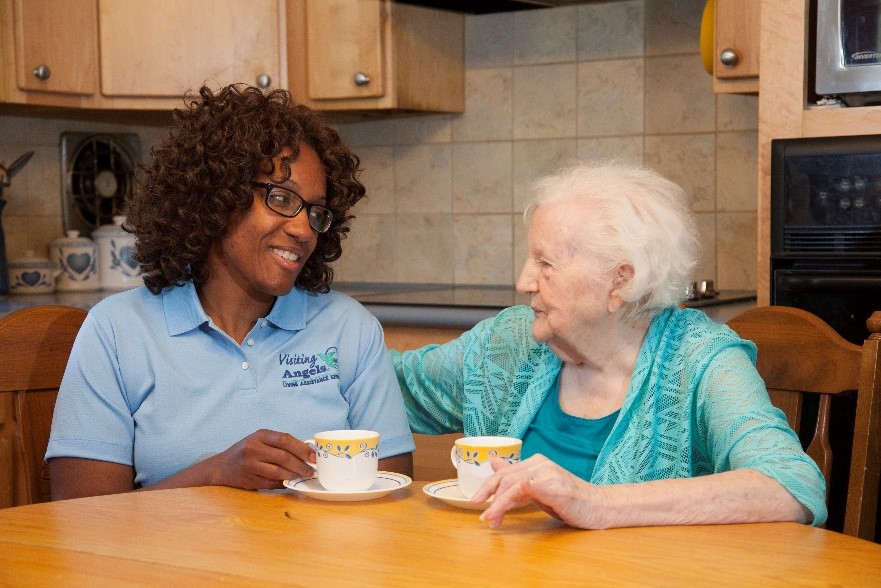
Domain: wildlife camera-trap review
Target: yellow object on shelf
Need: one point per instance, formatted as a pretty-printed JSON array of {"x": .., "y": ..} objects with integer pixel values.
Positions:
[{"x": 708, "y": 25}]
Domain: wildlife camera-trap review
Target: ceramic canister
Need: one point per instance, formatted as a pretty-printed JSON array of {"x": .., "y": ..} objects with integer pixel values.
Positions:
[
  {"x": 117, "y": 267},
  {"x": 75, "y": 256},
  {"x": 32, "y": 275}
]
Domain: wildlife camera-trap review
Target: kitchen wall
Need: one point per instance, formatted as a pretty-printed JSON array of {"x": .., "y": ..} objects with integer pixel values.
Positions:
[{"x": 543, "y": 88}]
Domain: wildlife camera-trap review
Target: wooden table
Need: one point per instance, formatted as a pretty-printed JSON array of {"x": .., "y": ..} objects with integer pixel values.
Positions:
[{"x": 223, "y": 536}]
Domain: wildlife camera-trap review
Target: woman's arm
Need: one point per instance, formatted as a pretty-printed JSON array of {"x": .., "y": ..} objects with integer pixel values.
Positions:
[
  {"x": 432, "y": 386},
  {"x": 261, "y": 460},
  {"x": 741, "y": 496}
]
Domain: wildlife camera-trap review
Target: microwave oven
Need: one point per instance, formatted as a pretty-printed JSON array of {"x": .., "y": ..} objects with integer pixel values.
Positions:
[{"x": 848, "y": 50}]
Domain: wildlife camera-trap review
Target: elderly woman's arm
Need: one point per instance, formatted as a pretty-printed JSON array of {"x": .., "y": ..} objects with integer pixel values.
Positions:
[
  {"x": 432, "y": 383},
  {"x": 759, "y": 471},
  {"x": 741, "y": 496}
]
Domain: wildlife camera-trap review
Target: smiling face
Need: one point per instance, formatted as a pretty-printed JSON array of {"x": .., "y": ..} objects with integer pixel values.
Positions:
[
  {"x": 262, "y": 253},
  {"x": 569, "y": 290}
]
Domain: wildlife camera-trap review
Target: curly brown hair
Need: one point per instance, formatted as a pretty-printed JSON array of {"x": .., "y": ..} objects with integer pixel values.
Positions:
[{"x": 201, "y": 174}]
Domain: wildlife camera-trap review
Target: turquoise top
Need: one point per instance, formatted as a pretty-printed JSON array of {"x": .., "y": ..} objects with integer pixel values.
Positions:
[
  {"x": 569, "y": 441},
  {"x": 695, "y": 405}
]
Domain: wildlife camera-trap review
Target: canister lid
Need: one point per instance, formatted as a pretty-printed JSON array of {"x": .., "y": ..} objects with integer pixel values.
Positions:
[
  {"x": 72, "y": 239},
  {"x": 31, "y": 260},
  {"x": 114, "y": 230}
]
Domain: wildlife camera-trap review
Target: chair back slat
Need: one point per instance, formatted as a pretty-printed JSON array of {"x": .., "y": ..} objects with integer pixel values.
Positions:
[
  {"x": 800, "y": 354},
  {"x": 35, "y": 344},
  {"x": 819, "y": 448}
]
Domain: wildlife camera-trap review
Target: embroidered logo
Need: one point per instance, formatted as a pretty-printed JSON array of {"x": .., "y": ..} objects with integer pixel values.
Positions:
[{"x": 304, "y": 369}]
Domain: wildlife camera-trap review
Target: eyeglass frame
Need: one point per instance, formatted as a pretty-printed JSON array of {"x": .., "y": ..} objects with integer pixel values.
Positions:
[{"x": 268, "y": 186}]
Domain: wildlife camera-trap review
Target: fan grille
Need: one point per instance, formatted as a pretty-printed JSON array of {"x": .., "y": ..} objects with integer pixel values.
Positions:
[{"x": 99, "y": 175}]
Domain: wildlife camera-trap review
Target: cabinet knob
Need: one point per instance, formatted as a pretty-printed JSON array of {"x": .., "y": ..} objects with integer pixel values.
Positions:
[
  {"x": 264, "y": 81},
  {"x": 728, "y": 57},
  {"x": 361, "y": 79},
  {"x": 42, "y": 72}
]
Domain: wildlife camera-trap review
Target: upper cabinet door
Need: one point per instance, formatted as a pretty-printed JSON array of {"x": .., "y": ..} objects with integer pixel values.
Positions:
[
  {"x": 344, "y": 48},
  {"x": 165, "y": 48},
  {"x": 375, "y": 55},
  {"x": 56, "y": 46},
  {"x": 737, "y": 39}
]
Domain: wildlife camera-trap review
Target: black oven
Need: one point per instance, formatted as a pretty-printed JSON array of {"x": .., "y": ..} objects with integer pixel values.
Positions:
[
  {"x": 826, "y": 256},
  {"x": 826, "y": 228}
]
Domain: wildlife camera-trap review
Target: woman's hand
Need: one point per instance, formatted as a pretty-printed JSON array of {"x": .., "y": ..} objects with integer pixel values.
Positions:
[
  {"x": 263, "y": 459},
  {"x": 552, "y": 488}
]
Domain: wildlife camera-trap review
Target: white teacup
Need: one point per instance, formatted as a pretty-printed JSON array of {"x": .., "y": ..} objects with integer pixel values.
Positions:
[
  {"x": 347, "y": 459},
  {"x": 471, "y": 457}
]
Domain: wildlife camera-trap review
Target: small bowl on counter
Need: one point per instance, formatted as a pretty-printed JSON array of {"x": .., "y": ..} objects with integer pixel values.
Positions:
[{"x": 32, "y": 274}]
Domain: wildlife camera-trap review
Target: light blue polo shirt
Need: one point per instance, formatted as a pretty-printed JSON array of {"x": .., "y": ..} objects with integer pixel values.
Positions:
[{"x": 153, "y": 383}]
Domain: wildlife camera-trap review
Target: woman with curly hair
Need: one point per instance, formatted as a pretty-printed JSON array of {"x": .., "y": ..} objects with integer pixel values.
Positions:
[{"x": 235, "y": 349}]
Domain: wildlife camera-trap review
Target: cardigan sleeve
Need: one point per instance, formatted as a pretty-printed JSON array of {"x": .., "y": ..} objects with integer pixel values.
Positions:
[
  {"x": 742, "y": 429},
  {"x": 432, "y": 384}
]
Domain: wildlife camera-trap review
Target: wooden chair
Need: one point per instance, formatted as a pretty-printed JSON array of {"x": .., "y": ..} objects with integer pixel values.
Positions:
[
  {"x": 34, "y": 346},
  {"x": 800, "y": 354}
]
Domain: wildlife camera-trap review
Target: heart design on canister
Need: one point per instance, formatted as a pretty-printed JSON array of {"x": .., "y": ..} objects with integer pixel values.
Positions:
[
  {"x": 79, "y": 262},
  {"x": 31, "y": 278},
  {"x": 126, "y": 256}
]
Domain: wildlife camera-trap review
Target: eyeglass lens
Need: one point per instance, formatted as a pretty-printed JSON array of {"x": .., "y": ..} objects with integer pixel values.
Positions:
[{"x": 288, "y": 203}]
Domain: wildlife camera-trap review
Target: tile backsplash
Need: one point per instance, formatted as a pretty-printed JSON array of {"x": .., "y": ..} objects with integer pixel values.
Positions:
[{"x": 619, "y": 80}]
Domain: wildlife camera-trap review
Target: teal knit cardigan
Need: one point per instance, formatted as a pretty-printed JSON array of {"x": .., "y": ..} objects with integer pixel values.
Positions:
[{"x": 696, "y": 404}]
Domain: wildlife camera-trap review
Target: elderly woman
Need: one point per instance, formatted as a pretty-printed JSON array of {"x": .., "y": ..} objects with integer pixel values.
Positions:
[
  {"x": 235, "y": 349},
  {"x": 632, "y": 411}
]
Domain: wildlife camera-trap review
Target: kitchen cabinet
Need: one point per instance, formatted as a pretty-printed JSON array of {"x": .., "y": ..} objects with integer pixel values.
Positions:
[
  {"x": 148, "y": 54},
  {"x": 163, "y": 48},
  {"x": 49, "y": 51},
  {"x": 367, "y": 55},
  {"x": 736, "y": 46}
]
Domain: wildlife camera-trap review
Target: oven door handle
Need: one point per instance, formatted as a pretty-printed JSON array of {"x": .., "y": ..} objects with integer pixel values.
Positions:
[{"x": 806, "y": 283}]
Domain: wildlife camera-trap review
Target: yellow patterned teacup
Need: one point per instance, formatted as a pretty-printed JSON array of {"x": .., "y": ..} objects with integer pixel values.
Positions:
[
  {"x": 347, "y": 459},
  {"x": 471, "y": 457}
]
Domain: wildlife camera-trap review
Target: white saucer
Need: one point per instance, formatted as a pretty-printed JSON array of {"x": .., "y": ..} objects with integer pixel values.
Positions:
[
  {"x": 448, "y": 491},
  {"x": 386, "y": 482}
]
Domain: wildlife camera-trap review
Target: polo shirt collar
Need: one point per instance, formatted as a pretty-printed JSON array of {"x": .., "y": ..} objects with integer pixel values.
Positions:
[
  {"x": 289, "y": 312},
  {"x": 184, "y": 312}
]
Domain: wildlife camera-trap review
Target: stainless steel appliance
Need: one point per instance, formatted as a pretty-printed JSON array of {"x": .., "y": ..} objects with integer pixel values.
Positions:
[
  {"x": 826, "y": 251},
  {"x": 848, "y": 50}
]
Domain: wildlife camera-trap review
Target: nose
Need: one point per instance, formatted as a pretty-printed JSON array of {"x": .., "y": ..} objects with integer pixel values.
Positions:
[
  {"x": 526, "y": 281},
  {"x": 298, "y": 226}
]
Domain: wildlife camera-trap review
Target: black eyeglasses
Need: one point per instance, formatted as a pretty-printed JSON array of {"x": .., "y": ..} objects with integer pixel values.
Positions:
[{"x": 286, "y": 202}]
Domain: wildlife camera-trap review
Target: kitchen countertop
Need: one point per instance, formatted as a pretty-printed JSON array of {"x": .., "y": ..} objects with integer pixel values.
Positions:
[{"x": 430, "y": 305}]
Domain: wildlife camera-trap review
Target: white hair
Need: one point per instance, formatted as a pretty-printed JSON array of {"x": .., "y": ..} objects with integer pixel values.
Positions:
[{"x": 631, "y": 215}]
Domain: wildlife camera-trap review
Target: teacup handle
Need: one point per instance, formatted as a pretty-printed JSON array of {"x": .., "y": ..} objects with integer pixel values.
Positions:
[
  {"x": 311, "y": 443},
  {"x": 454, "y": 458}
]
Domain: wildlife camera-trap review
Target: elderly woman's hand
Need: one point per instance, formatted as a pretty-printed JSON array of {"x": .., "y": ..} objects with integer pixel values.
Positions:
[{"x": 552, "y": 488}]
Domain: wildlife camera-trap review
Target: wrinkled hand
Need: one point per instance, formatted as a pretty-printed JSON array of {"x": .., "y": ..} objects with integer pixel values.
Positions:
[
  {"x": 552, "y": 488},
  {"x": 262, "y": 460}
]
